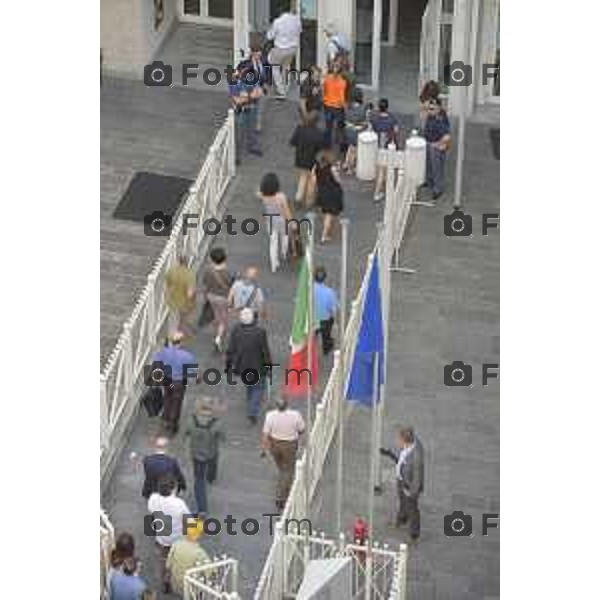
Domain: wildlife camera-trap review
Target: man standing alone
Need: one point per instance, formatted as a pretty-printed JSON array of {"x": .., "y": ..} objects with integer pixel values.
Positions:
[
  {"x": 410, "y": 470},
  {"x": 285, "y": 33},
  {"x": 326, "y": 305}
]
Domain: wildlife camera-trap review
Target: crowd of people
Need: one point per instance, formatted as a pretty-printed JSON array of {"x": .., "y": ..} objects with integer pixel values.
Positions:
[{"x": 332, "y": 113}]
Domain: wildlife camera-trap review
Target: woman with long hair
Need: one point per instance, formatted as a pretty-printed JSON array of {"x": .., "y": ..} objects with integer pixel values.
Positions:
[{"x": 330, "y": 195}]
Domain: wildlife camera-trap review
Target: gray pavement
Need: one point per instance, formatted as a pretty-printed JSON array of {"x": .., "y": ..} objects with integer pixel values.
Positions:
[{"x": 446, "y": 311}]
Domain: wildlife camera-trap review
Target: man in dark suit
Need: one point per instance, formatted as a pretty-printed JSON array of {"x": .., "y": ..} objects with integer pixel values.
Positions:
[
  {"x": 248, "y": 356},
  {"x": 159, "y": 465},
  {"x": 410, "y": 471}
]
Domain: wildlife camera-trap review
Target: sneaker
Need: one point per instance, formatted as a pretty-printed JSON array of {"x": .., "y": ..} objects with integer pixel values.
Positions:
[{"x": 436, "y": 195}]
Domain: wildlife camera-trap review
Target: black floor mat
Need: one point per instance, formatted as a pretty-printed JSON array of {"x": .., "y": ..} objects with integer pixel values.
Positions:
[
  {"x": 151, "y": 192},
  {"x": 495, "y": 139}
]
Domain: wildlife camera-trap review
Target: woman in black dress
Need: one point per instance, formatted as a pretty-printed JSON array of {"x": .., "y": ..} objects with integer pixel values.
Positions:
[{"x": 330, "y": 195}]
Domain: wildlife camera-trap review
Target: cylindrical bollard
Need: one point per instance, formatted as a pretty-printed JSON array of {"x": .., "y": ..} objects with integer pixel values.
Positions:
[
  {"x": 366, "y": 156},
  {"x": 415, "y": 157}
]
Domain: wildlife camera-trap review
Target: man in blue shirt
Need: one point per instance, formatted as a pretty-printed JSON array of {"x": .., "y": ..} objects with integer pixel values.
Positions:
[
  {"x": 326, "y": 306},
  {"x": 175, "y": 359},
  {"x": 437, "y": 135}
]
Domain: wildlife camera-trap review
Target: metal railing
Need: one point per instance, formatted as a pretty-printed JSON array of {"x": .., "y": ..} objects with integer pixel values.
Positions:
[
  {"x": 107, "y": 542},
  {"x": 277, "y": 577},
  {"x": 121, "y": 379},
  {"x": 217, "y": 580}
]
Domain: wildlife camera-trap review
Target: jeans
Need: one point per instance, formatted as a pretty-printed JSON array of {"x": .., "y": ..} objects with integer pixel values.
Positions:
[
  {"x": 436, "y": 162},
  {"x": 173, "y": 399},
  {"x": 200, "y": 474},
  {"x": 335, "y": 118},
  {"x": 326, "y": 339},
  {"x": 247, "y": 134},
  {"x": 254, "y": 397}
]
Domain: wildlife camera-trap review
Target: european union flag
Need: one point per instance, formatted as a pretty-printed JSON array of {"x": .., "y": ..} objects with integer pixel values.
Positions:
[{"x": 369, "y": 345}]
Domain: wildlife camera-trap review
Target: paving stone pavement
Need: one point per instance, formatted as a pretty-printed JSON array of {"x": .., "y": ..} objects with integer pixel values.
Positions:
[{"x": 447, "y": 311}]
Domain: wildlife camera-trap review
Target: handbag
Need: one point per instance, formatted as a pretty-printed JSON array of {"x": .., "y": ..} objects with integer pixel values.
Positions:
[{"x": 207, "y": 314}]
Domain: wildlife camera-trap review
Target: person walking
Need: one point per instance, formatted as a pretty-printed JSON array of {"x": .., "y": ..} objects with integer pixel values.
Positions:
[
  {"x": 247, "y": 293},
  {"x": 244, "y": 100},
  {"x": 330, "y": 195},
  {"x": 174, "y": 510},
  {"x": 285, "y": 35},
  {"x": 337, "y": 46},
  {"x": 159, "y": 465},
  {"x": 308, "y": 140},
  {"x": 336, "y": 93},
  {"x": 387, "y": 128},
  {"x": 124, "y": 581},
  {"x": 248, "y": 356},
  {"x": 281, "y": 432},
  {"x": 356, "y": 122},
  {"x": 205, "y": 433},
  {"x": 275, "y": 204},
  {"x": 436, "y": 132},
  {"x": 326, "y": 307},
  {"x": 311, "y": 93},
  {"x": 180, "y": 290},
  {"x": 256, "y": 71},
  {"x": 175, "y": 358},
  {"x": 410, "y": 473},
  {"x": 216, "y": 283},
  {"x": 185, "y": 554}
]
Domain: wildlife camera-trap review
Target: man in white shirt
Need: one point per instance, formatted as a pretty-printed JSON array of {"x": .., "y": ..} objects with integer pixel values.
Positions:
[
  {"x": 285, "y": 33},
  {"x": 338, "y": 45},
  {"x": 280, "y": 435},
  {"x": 166, "y": 526}
]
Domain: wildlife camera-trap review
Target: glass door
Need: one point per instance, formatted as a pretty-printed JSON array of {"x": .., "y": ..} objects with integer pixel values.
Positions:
[
  {"x": 308, "y": 38},
  {"x": 367, "y": 42},
  {"x": 207, "y": 10}
]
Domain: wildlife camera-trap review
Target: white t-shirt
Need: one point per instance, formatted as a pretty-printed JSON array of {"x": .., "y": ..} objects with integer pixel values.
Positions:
[
  {"x": 285, "y": 31},
  {"x": 173, "y": 507},
  {"x": 284, "y": 425}
]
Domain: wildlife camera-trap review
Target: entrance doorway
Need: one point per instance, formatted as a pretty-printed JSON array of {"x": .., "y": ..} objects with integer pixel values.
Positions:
[
  {"x": 400, "y": 51},
  {"x": 216, "y": 12}
]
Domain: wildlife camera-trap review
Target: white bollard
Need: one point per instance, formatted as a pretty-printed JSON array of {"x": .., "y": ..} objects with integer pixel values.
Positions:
[
  {"x": 415, "y": 157},
  {"x": 366, "y": 156}
]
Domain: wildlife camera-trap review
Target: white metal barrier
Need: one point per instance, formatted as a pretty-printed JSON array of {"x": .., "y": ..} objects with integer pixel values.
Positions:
[
  {"x": 277, "y": 577},
  {"x": 107, "y": 542},
  {"x": 378, "y": 572},
  {"x": 216, "y": 580},
  {"x": 121, "y": 379}
]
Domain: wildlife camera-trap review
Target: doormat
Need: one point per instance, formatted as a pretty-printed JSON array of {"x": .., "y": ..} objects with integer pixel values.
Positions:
[
  {"x": 151, "y": 192},
  {"x": 495, "y": 139}
]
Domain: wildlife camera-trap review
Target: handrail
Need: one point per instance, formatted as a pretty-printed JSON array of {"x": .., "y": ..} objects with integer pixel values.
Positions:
[{"x": 121, "y": 377}]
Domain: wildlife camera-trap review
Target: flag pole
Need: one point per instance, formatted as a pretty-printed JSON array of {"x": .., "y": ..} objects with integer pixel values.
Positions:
[
  {"x": 311, "y": 298},
  {"x": 341, "y": 370},
  {"x": 374, "y": 449}
]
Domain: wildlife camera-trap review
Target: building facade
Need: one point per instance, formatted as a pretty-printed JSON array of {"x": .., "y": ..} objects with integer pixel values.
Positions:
[{"x": 397, "y": 44}]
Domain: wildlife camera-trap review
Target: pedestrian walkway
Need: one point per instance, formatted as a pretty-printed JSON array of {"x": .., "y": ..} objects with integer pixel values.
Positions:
[
  {"x": 246, "y": 482},
  {"x": 447, "y": 310}
]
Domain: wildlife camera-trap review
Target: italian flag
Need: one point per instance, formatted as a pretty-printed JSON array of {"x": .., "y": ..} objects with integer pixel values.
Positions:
[{"x": 297, "y": 382}]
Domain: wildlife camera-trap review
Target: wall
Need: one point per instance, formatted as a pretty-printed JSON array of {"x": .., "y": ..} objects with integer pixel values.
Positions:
[{"x": 127, "y": 35}]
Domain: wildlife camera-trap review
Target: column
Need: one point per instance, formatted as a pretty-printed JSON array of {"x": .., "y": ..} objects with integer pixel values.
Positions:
[
  {"x": 240, "y": 30},
  {"x": 461, "y": 42}
]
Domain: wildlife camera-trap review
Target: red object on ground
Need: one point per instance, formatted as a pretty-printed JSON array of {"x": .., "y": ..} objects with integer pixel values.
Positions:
[{"x": 361, "y": 531}]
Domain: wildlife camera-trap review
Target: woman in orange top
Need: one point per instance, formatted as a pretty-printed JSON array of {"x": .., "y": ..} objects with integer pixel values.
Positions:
[{"x": 335, "y": 99}]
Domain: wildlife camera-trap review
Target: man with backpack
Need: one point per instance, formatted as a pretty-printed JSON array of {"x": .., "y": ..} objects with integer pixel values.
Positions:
[
  {"x": 246, "y": 293},
  {"x": 205, "y": 433}
]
